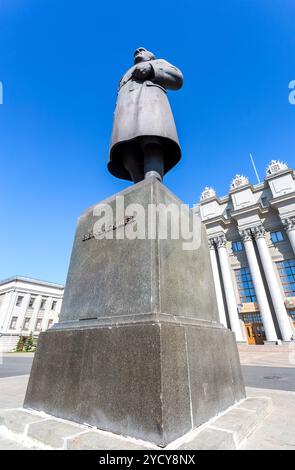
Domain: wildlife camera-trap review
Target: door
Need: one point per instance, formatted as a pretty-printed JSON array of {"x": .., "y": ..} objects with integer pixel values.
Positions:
[
  {"x": 250, "y": 333},
  {"x": 255, "y": 333},
  {"x": 259, "y": 334}
]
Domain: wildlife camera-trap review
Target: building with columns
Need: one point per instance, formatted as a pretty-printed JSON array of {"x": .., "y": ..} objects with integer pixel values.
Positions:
[
  {"x": 251, "y": 234},
  {"x": 27, "y": 306}
]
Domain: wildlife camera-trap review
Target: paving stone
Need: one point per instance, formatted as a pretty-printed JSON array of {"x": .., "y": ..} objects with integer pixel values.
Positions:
[
  {"x": 52, "y": 432},
  {"x": 9, "y": 444},
  {"x": 210, "y": 439},
  {"x": 239, "y": 421},
  {"x": 96, "y": 441},
  {"x": 17, "y": 420},
  {"x": 227, "y": 432},
  {"x": 261, "y": 405}
]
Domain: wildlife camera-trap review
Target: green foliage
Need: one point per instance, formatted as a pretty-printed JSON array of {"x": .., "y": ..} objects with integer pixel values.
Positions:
[
  {"x": 29, "y": 344},
  {"x": 20, "y": 344}
]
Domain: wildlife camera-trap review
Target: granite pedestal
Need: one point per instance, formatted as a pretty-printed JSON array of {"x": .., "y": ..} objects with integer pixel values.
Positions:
[{"x": 138, "y": 349}]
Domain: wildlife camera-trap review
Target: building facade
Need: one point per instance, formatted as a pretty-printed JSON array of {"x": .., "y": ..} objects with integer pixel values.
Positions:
[
  {"x": 27, "y": 306},
  {"x": 251, "y": 234}
]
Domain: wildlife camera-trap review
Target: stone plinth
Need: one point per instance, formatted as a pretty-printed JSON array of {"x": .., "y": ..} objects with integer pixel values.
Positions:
[{"x": 138, "y": 350}]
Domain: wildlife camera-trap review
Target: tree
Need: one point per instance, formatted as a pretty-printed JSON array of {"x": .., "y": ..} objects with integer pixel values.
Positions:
[
  {"x": 20, "y": 344},
  {"x": 29, "y": 343}
]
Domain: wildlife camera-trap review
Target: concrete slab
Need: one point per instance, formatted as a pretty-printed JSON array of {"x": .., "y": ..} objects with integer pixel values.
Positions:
[
  {"x": 17, "y": 420},
  {"x": 13, "y": 391},
  {"x": 238, "y": 421},
  {"x": 262, "y": 406},
  {"x": 53, "y": 433},
  {"x": 210, "y": 439},
  {"x": 9, "y": 444},
  {"x": 277, "y": 430},
  {"x": 93, "y": 440},
  {"x": 229, "y": 430}
]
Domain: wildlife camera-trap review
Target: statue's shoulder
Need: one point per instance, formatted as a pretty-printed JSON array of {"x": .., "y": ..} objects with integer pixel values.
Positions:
[{"x": 160, "y": 62}]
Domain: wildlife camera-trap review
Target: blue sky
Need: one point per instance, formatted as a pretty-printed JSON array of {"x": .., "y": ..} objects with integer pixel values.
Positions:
[{"x": 60, "y": 62}]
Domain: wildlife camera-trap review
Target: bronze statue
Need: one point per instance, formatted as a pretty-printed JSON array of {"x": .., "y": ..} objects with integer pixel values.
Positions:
[{"x": 144, "y": 139}]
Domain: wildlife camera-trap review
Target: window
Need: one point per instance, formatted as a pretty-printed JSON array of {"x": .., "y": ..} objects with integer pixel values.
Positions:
[
  {"x": 53, "y": 306},
  {"x": 287, "y": 274},
  {"x": 19, "y": 300},
  {"x": 276, "y": 237},
  {"x": 26, "y": 323},
  {"x": 252, "y": 317},
  {"x": 31, "y": 302},
  {"x": 245, "y": 285},
  {"x": 43, "y": 303},
  {"x": 50, "y": 323},
  {"x": 38, "y": 324},
  {"x": 13, "y": 323},
  {"x": 237, "y": 246}
]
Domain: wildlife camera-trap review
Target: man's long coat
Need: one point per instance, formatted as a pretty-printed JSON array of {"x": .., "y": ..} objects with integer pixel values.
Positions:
[{"x": 143, "y": 109}]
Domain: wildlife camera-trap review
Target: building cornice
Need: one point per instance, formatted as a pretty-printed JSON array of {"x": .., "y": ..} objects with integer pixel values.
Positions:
[
  {"x": 208, "y": 199},
  {"x": 255, "y": 188},
  {"x": 218, "y": 219},
  {"x": 256, "y": 208},
  {"x": 285, "y": 197},
  {"x": 29, "y": 280},
  {"x": 279, "y": 173},
  {"x": 31, "y": 291}
]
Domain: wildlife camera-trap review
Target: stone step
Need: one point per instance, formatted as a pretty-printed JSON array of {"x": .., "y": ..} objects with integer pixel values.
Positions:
[{"x": 227, "y": 431}]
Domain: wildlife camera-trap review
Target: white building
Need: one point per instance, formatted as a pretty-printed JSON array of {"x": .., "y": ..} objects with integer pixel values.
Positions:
[
  {"x": 251, "y": 234},
  {"x": 27, "y": 305}
]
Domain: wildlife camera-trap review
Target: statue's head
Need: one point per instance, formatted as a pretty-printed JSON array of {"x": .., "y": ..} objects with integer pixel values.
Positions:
[{"x": 143, "y": 55}]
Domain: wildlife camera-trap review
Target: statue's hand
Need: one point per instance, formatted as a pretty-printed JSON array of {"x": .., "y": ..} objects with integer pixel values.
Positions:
[{"x": 143, "y": 71}]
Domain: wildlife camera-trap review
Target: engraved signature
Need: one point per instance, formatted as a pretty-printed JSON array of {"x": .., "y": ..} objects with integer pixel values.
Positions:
[{"x": 108, "y": 228}]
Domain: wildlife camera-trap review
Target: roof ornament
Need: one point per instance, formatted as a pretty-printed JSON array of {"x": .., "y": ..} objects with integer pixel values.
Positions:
[
  {"x": 207, "y": 193},
  {"x": 275, "y": 166},
  {"x": 239, "y": 180}
]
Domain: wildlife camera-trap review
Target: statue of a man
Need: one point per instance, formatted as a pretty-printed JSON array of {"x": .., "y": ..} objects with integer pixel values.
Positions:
[{"x": 144, "y": 139}]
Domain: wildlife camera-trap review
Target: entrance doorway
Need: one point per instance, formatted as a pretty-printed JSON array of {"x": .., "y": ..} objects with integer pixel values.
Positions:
[
  {"x": 254, "y": 328},
  {"x": 255, "y": 333}
]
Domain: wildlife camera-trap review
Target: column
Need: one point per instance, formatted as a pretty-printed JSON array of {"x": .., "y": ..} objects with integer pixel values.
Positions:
[
  {"x": 265, "y": 312},
  {"x": 218, "y": 290},
  {"x": 289, "y": 225},
  {"x": 4, "y": 310},
  {"x": 9, "y": 311},
  {"x": 273, "y": 285},
  {"x": 35, "y": 313},
  {"x": 229, "y": 288}
]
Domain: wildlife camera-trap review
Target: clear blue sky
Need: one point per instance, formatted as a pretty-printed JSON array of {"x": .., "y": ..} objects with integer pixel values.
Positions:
[{"x": 60, "y": 62}]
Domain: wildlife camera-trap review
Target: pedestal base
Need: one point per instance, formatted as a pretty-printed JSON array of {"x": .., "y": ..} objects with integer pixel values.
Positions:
[
  {"x": 138, "y": 349},
  {"x": 152, "y": 381}
]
